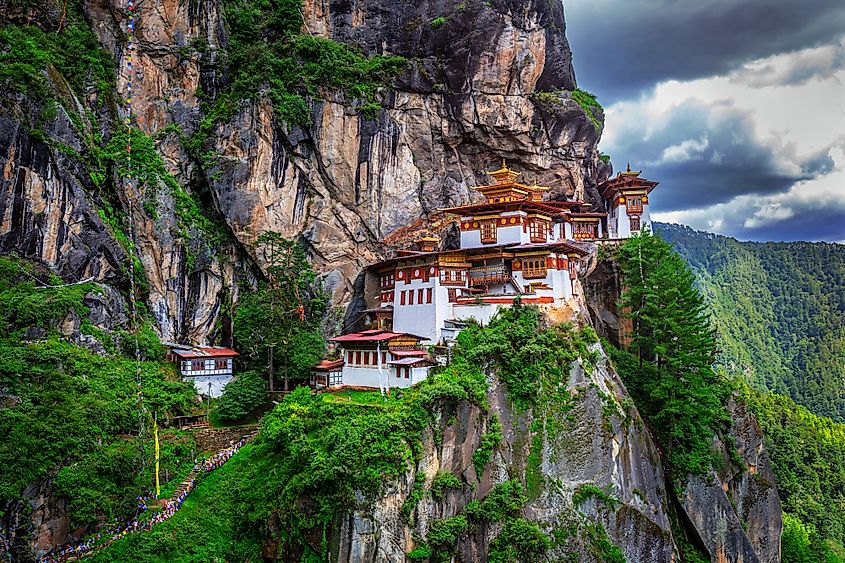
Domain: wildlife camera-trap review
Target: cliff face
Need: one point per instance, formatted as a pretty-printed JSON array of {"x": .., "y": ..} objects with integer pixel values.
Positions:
[
  {"x": 598, "y": 440},
  {"x": 466, "y": 100}
]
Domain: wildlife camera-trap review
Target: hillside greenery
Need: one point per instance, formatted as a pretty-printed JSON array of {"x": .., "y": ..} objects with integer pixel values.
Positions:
[
  {"x": 808, "y": 456},
  {"x": 74, "y": 413},
  {"x": 779, "y": 311},
  {"x": 328, "y": 452}
]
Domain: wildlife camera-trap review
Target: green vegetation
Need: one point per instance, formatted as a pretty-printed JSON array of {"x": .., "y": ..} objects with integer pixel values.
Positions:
[
  {"x": 242, "y": 398},
  {"x": 526, "y": 353},
  {"x": 442, "y": 482},
  {"x": 588, "y": 102},
  {"x": 266, "y": 57},
  {"x": 283, "y": 315},
  {"x": 489, "y": 441},
  {"x": 808, "y": 457},
  {"x": 437, "y": 22},
  {"x": 779, "y": 319},
  {"x": 74, "y": 409},
  {"x": 74, "y": 52},
  {"x": 601, "y": 546},
  {"x": 443, "y": 534},
  {"x": 328, "y": 453},
  {"x": 506, "y": 500},
  {"x": 668, "y": 365},
  {"x": 779, "y": 312},
  {"x": 519, "y": 540},
  {"x": 204, "y": 529},
  {"x": 587, "y": 491}
]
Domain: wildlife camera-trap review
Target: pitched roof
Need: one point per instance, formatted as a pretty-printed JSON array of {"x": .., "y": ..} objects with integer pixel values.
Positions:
[
  {"x": 412, "y": 361},
  {"x": 375, "y": 335},
  {"x": 329, "y": 365},
  {"x": 206, "y": 352}
]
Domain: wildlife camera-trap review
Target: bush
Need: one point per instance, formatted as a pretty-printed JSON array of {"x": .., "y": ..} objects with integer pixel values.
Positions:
[
  {"x": 504, "y": 501},
  {"x": 489, "y": 441},
  {"x": 242, "y": 397},
  {"x": 443, "y": 481},
  {"x": 519, "y": 540},
  {"x": 443, "y": 534}
]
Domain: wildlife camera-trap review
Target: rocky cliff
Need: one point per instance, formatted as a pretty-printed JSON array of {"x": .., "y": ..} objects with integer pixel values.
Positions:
[{"x": 484, "y": 81}]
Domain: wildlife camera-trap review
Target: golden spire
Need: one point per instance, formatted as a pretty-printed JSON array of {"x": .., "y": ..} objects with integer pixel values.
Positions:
[
  {"x": 630, "y": 172},
  {"x": 504, "y": 175}
]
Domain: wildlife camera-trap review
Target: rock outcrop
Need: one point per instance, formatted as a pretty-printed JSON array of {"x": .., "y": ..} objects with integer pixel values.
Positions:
[
  {"x": 486, "y": 81},
  {"x": 598, "y": 441}
]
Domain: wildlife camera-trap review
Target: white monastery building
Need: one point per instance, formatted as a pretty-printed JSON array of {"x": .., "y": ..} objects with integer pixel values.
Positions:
[
  {"x": 513, "y": 245},
  {"x": 208, "y": 368}
]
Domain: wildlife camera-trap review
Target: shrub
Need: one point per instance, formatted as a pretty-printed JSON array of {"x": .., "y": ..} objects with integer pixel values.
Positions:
[
  {"x": 442, "y": 481},
  {"x": 505, "y": 500},
  {"x": 242, "y": 397},
  {"x": 519, "y": 540},
  {"x": 488, "y": 443}
]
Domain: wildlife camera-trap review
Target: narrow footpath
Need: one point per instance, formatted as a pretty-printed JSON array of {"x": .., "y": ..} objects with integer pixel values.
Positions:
[{"x": 106, "y": 537}]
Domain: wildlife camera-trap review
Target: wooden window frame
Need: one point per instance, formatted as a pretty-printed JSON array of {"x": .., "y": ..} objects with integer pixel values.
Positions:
[
  {"x": 420, "y": 296},
  {"x": 428, "y": 294},
  {"x": 453, "y": 295},
  {"x": 635, "y": 222},
  {"x": 534, "y": 268},
  {"x": 538, "y": 230},
  {"x": 634, "y": 204},
  {"x": 410, "y": 297},
  {"x": 487, "y": 232}
]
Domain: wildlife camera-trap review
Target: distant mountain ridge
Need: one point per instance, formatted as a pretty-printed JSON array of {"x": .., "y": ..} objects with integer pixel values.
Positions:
[{"x": 779, "y": 310}]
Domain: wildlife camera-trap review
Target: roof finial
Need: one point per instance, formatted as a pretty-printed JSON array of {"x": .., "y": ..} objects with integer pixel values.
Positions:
[{"x": 629, "y": 167}]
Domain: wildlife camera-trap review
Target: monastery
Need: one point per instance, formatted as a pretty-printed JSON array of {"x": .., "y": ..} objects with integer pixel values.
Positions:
[{"x": 513, "y": 245}]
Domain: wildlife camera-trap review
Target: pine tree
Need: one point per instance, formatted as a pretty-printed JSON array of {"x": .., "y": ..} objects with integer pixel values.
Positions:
[
  {"x": 277, "y": 325},
  {"x": 675, "y": 385}
]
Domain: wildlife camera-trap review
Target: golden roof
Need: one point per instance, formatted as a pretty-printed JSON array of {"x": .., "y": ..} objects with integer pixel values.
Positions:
[
  {"x": 630, "y": 172},
  {"x": 504, "y": 175}
]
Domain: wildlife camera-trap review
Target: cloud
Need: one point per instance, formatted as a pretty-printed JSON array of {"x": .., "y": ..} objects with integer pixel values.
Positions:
[
  {"x": 812, "y": 209},
  {"x": 621, "y": 49},
  {"x": 743, "y": 154},
  {"x": 792, "y": 68}
]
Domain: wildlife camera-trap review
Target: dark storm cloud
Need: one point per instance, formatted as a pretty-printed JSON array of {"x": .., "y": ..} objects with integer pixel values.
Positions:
[
  {"x": 701, "y": 159},
  {"x": 808, "y": 224},
  {"x": 622, "y": 48}
]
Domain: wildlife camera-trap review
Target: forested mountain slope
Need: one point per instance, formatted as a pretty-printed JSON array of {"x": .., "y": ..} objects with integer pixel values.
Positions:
[{"x": 779, "y": 310}]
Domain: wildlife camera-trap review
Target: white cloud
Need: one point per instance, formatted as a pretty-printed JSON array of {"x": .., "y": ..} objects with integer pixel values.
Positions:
[
  {"x": 752, "y": 149},
  {"x": 686, "y": 150}
]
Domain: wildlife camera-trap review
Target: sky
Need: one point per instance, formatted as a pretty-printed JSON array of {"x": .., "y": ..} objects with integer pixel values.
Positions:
[{"x": 737, "y": 108}]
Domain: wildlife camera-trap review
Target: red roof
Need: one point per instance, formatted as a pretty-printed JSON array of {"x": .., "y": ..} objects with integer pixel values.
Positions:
[
  {"x": 373, "y": 336},
  {"x": 329, "y": 365},
  {"x": 546, "y": 206},
  {"x": 409, "y": 353},
  {"x": 207, "y": 352}
]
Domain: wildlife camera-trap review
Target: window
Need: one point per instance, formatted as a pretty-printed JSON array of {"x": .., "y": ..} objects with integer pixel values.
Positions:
[
  {"x": 398, "y": 372},
  {"x": 634, "y": 204},
  {"x": 583, "y": 230},
  {"x": 384, "y": 357},
  {"x": 635, "y": 222},
  {"x": 221, "y": 364},
  {"x": 453, "y": 295},
  {"x": 488, "y": 232},
  {"x": 420, "y": 296},
  {"x": 335, "y": 378},
  {"x": 538, "y": 230},
  {"x": 402, "y": 297},
  {"x": 349, "y": 357},
  {"x": 197, "y": 365},
  {"x": 407, "y": 373},
  {"x": 428, "y": 293},
  {"x": 534, "y": 267},
  {"x": 358, "y": 358},
  {"x": 410, "y": 297}
]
